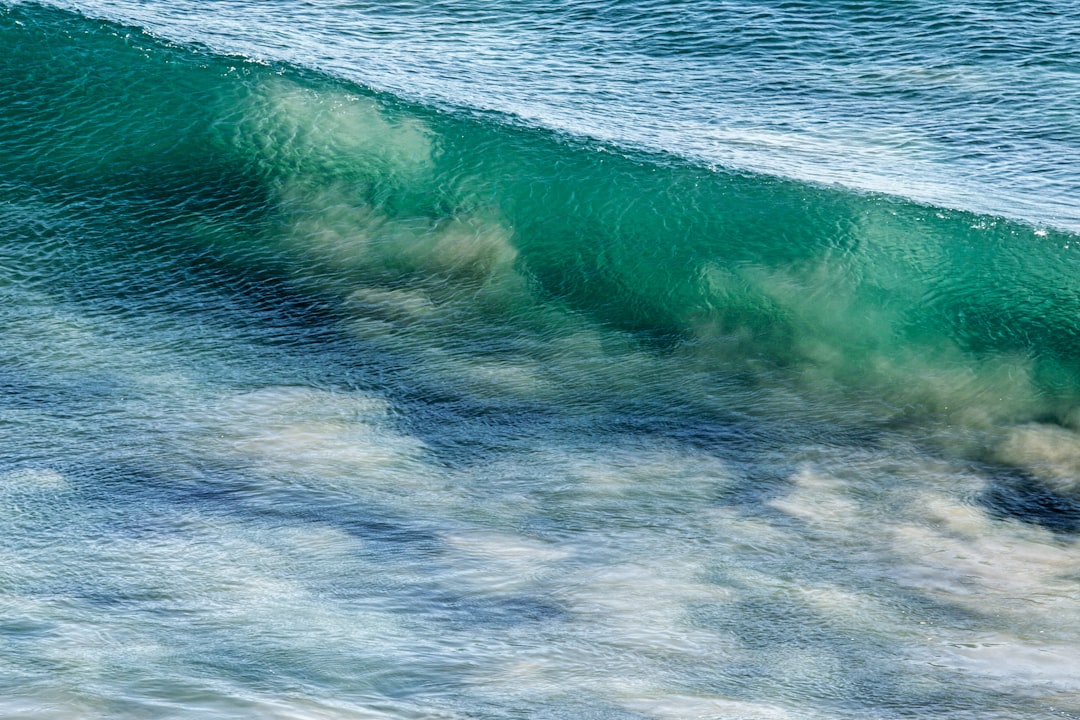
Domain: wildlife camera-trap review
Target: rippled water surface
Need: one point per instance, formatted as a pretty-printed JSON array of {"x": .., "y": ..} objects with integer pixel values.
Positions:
[
  {"x": 462, "y": 360},
  {"x": 969, "y": 105}
]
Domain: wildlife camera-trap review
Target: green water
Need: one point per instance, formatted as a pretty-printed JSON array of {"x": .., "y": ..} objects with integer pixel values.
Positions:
[
  {"x": 322, "y": 404},
  {"x": 325, "y": 187}
]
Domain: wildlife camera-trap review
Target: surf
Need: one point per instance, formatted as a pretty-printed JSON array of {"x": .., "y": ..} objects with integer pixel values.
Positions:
[
  {"x": 398, "y": 210},
  {"x": 320, "y": 401}
]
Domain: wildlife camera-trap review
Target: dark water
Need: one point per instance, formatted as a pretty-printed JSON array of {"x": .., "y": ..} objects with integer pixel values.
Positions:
[{"x": 565, "y": 361}]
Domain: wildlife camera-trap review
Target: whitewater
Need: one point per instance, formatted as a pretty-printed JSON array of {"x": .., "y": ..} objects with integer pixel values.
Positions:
[{"x": 616, "y": 360}]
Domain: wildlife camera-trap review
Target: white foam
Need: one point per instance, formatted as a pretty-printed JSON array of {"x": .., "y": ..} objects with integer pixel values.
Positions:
[
  {"x": 323, "y": 709},
  {"x": 493, "y": 562},
  {"x": 976, "y": 560},
  {"x": 1025, "y": 666},
  {"x": 32, "y": 479},
  {"x": 640, "y": 607},
  {"x": 704, "y": 707},
  {"x": 1019, "y": 579},
  {"x": 817, "y": 498},
  {"x": 318, "y": 434},
  {"x": 1048, "y": 452}
]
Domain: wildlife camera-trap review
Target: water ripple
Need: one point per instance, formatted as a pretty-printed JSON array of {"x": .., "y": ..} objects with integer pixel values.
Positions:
[{"x": 968, "y": 106}]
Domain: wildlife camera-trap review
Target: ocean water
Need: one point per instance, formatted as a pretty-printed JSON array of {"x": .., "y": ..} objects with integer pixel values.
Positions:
[{"x": 620, "y": 360}]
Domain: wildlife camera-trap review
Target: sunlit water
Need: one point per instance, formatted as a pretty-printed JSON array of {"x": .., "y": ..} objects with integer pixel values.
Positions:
[{"x": 323, "y": 402}]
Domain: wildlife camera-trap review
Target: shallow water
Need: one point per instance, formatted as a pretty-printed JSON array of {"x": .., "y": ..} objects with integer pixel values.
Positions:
[{"x": 327, "y": 402}]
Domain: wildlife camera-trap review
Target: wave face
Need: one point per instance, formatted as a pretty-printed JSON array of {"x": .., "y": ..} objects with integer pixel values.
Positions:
[
  {"x": 324, "y": 401},
  {"x": 966, "y": 106}
]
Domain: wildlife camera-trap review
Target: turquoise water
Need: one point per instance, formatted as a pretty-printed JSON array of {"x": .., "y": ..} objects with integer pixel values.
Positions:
[{"x": 611, "y": 360}]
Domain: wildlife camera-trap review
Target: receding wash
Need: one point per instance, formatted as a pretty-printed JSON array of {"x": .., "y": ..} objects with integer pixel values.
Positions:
[{"x": 475, "y": 360}]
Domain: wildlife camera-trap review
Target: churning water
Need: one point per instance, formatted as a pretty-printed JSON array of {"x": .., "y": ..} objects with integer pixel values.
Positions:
[{"x": 614, "y": 360}]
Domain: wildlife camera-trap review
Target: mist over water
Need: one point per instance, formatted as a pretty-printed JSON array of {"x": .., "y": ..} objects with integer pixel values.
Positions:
[{"x": 321, "y": 402}]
